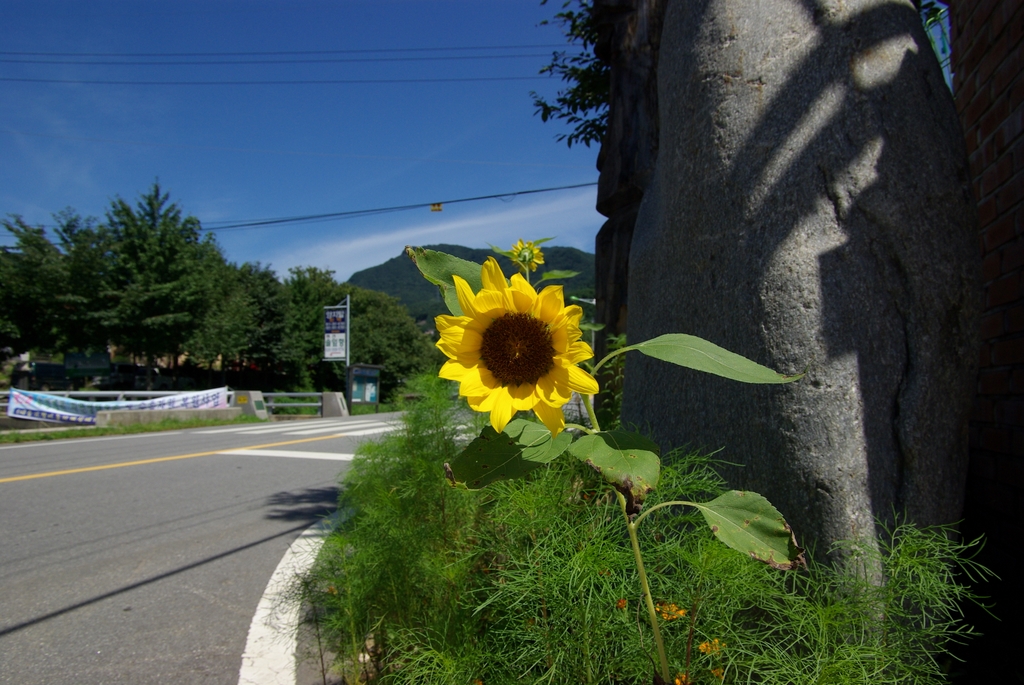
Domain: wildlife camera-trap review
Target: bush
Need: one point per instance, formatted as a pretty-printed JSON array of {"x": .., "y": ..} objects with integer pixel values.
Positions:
[{"x": 534, "y": 581}]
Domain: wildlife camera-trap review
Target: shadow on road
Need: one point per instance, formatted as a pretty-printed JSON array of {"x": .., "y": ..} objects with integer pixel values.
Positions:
[{"x": 308, "y": 505}]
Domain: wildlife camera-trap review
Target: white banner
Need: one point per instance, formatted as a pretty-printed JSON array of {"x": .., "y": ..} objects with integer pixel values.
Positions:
[{"x": 37, "y": 406}]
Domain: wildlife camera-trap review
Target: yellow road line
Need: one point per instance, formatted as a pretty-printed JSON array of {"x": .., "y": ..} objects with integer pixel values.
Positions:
[{"x": 140, "y": 462}]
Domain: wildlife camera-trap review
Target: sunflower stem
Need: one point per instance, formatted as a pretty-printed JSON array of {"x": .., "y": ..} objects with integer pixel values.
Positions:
[
  {"x": 580, "y": 428},
  {"x": 588, "y": 402},
  {"x": 651, "y": 613}
]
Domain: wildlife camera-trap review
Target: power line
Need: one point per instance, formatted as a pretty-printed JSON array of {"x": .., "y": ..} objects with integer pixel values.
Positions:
[
  {"x": 278, "y": 52},
  {"x": 297, "y": 153},
  {"x": 314, "y": 218},
  {"x": 294, "y": 82},
  {"x": 333, "y": 60}
]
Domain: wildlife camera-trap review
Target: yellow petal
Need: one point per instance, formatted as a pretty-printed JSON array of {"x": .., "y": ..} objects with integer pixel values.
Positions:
[
  {"x": 453, "y": 371},
  {"x": 523, "y": 397},
  {"x": 581, "y": 381},
  {"x": 490, "y": 304},
  {"x": 491, "y": 276},
  {"x": 523, "y": 294},
  {"x": 465, "y": 295},
  {"x": 552, "y": 417},
  {"x": 477, "y": 382},
  {"x": 549, "y": 304},
  {"x": 577, "y": 352},
  {"x": 553, "y": 387},
  {"x": 560, "y": 339},
  {"x": 501, "y": 412}
]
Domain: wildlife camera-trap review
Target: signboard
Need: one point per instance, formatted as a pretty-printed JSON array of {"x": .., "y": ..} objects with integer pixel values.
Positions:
[
  {"x": 363, "y": 384},
  {"x": 336, "y": 342},
  {"x": 37, "y": 406}
]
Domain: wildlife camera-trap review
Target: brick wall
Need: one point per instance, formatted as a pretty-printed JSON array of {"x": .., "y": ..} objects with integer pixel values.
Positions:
[{"x": 988, "y": 55}]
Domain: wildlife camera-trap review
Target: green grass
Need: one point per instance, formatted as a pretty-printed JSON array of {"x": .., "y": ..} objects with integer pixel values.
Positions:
[
  {"x": 29, "y": 435},
  {"x": 533, "y": 581}
]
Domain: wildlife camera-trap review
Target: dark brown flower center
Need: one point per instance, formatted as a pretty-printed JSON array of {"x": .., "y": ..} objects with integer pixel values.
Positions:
[{"x": 517, "y": 349}]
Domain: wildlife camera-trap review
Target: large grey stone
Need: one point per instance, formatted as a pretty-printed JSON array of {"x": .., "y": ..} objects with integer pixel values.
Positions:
[{"x": 810, "y": 209}]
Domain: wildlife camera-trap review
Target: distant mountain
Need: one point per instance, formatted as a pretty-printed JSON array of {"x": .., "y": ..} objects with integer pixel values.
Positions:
[{"x": 399, "y": 277}]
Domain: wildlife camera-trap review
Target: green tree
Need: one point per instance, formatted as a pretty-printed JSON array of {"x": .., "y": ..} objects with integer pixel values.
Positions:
[
  {"x": 33, "y": 274},
  {"x": 382, "y": 333},
  {"x": 88, "y": 259},
  {"x": 224, "y": 332},
  {"x": 265, "y": 340},
  {"x": 583, "y": 103},
  {"x": 159, "y": 292}
]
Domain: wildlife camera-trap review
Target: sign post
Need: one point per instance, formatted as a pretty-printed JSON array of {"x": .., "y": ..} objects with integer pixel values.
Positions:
[{"x": 336, "y": 339}]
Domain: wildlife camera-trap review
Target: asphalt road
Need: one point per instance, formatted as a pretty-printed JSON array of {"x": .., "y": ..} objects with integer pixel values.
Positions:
[{"x": 141, "y": 559}]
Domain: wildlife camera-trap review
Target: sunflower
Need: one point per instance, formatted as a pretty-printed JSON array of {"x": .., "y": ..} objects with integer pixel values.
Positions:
[
  {"x": 514, "y": 350},
  {"x": 527, "y": 255}
]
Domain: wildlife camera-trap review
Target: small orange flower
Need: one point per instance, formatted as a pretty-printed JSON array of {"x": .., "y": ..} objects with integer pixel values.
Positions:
[
  {"x": 478, "y": 682},
  {"x": 712, "y": 647},
  {"x": 682, "y": 679},
  {"x": 718, "y": 672},
  {"x": 669, "y": 612},
  {"x": 621, "y": 604}
]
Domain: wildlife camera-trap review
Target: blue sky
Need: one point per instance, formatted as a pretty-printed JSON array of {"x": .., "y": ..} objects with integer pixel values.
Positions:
[{"x": 234, "y": 153}]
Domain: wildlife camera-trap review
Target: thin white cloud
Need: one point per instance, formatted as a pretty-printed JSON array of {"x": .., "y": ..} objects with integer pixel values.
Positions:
[{"x": 570, "y": 217}]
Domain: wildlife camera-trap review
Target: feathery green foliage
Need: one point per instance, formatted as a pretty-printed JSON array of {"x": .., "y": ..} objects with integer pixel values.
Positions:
[{"x": 533, "y": 581}]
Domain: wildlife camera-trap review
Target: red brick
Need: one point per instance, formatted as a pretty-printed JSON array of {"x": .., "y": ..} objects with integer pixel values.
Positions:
[
  {"x": 995, "y": 54},
  {"x": 1015, "y": 319},
  {"x": 1008, "y": 351},
  {"x": 993, "y": 117},
  {"x": 1010, "y": 412},
  {"x": 992, "y": 327},
  {"x": 1012, "y": 255},
  {"x": 1011, "y": 472},
  {"x": 1002, "y": 231},
  {"x": 1001, "y": 17},
  {"x": 987, "y": 212},
  {"x": 982, "y": 466},
  {"x": 1010, "y": 129},
  {"x": 1009, "y": 195},
  {"x": 996, "y": 439},
  {"x": 1006, "y": 72},
  {"x": 978, "y": 106},
  {"x": 996, "y": 175},
  {"x": 991, "y": 267},
  {"x": 1016, "y": 23},
  {"x": 1017, "y": 382},
  {"x": 994, "y": 382},
  {"x": 985, "y": 355},
  {"x": 983, "y": 410},
  {"x": 1017, "y": 93},
  {"x": 1018, "y": 155}
]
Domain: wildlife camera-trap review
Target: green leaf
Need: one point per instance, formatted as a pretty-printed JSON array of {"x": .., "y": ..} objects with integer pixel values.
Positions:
[
  {"x": 697, "y": 353},
  {"x": 588, "y": 326},
  {"x": 541, "y": 241},
  {"x": 504, "y": 253},
  {"x": 517, "y": 450},
  {"x": 630, "y": 462},
  {"x": 749, "y": 523},
  {"x": 557, "y": 273},
  {"x": 438, "y": 268}
]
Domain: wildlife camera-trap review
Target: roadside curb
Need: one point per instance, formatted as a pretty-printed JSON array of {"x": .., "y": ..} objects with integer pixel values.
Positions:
[{"x": 270, "y": 650}]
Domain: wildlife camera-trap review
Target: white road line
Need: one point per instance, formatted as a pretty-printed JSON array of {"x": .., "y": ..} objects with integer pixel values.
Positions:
[
  {"x": 344, "y": 430},
  {"x": 289, "y": 427},
  {"x": 269, "y": 656},
  {"x": 263, "y": 427},
  {"x": 297, "y": 454}
]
